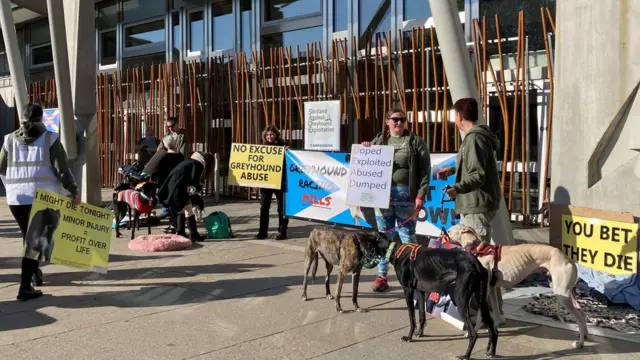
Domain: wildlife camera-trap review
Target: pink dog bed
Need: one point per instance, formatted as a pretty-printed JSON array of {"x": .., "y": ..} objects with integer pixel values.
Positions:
[{"x": 159, "y": 242}]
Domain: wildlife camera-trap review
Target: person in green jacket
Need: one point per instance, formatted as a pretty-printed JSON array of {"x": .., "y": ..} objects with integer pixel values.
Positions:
[
  {"x": 477, "y": 188},
  {"x": 409, "y": 184}
]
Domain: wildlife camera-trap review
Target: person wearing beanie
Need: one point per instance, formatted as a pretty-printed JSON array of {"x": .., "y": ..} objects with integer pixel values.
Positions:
[
  {"x": 33, "y": 158},
  {"x": 174, "y": 192}
]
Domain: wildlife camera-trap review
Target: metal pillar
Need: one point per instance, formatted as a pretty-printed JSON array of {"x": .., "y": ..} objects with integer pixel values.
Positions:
[
  {"x": 63, "y": 84},
  {"x": 456, "y": 60},
  {"x": 81, "y": 40},
  {"x": 13, "y": 56}
]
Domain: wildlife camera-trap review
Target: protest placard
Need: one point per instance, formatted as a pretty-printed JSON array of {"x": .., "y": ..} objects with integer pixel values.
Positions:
[
  {"x": 604, "y": 245},
  {"x": 256, "y": 166},
  {"x": 370, "y": 171},
  {"x": 322, "y": 125},
  {"x": 72, "y": 235}
]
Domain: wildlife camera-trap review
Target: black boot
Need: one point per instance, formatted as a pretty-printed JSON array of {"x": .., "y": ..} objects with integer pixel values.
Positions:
[
  {"x": 264, "y": 223},
  {"x": 193, "y": 230},
  {"x": 180, "y": 225},
  {"x": 283, "y": 224},
  {"x": 26, "y": 290}
]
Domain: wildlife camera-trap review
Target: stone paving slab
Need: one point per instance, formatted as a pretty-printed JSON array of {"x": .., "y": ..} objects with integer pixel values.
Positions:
[{"x": 237, "y": 299}]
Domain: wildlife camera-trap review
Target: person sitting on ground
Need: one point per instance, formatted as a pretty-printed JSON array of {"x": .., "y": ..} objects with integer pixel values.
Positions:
[
  {"x": 178, "y": 135},
  {"x": 174, "y": 192},
  {"x": 271, "y": 136}
]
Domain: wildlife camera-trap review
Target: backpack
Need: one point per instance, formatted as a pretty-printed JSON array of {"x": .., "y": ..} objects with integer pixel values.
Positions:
[{"x": 218, "y": 225}]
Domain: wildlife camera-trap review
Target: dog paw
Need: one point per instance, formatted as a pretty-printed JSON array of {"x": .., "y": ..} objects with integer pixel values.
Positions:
[
  {"x": 304, "y": 298},
  {"x": 329, "y": 297},
  {"x": 361, "y": 310},
  {"x": 489, "y": 355},
  {"x": 577, "y": 345},
  {"x": 419, "y": 334},
  {"x": 339, "y": 311},
  {"x": 461, "y": 357},
  {"x": 405, "y": 339},
  {"x": 465, "y": 335}
]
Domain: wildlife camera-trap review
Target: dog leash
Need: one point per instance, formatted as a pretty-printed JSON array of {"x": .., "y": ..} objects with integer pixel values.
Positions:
[{"x": 413, "y": 216}]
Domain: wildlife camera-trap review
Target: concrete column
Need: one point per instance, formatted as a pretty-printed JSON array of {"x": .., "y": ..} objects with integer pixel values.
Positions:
[
  {"x": 63, "y": 84},
  {"x": 81, "y": 40},
  {"x": 13, "y": 56},
  {"x": 457, "y": 63}
]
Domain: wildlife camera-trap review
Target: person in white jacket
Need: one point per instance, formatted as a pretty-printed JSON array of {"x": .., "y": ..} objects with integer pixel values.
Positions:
[{"x": 33, "y": 158}]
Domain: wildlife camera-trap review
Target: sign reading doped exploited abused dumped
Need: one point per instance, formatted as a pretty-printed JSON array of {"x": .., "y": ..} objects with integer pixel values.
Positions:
[
  {"x": 72, "y": 235},
  {"x": 604, "y": 245},
  {"x": 256, "y": 166},
  {"x": 370, "y": 171}
]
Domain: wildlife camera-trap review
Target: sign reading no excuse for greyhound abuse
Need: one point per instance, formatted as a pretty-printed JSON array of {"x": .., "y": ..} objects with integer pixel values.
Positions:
[
  {"x": 370, "y": 171},
  {"x": 322, "y": 125},
  {"x": 72, "y": 235},
  {"x": 604, "y": 245},
  {"x": 256, "y": 166}
]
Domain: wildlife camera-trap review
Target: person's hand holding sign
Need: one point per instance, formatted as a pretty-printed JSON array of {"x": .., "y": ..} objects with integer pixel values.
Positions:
[
  {"x": 366, "y": 144},
  {"x": 419, "y": 202},
  {"x": 76, "y": 200}
]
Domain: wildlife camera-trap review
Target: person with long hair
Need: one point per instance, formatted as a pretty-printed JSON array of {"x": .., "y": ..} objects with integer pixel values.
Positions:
[
  {"x": 409, "y": 184},
  {"x": 271, "y": 136},
  {"x": 33, "y": 158},
  {"x": 174, "y": 192}
]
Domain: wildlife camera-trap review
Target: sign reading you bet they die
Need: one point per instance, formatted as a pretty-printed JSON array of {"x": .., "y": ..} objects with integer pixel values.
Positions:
[
  {"x": 256, "y": 166},
  {"x": 370, "y": 170},
  {"x": 604, "y": 245}
]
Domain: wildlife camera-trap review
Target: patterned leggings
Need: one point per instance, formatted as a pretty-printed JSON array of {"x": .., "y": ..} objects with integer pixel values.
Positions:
[{"x": 401, "y": 207}]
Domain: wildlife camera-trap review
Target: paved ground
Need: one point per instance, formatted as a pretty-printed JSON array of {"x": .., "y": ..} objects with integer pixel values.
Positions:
[{"x": 236, "y": 299}]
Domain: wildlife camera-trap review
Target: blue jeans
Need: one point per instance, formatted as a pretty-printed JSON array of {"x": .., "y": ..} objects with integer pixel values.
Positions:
[{"x": 401, "y": 207}]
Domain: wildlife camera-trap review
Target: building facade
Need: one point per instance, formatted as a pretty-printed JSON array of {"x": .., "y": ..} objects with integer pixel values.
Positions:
[{"x": 227, "y": 67}]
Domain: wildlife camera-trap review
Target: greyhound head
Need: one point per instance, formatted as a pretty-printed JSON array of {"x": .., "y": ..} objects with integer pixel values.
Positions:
[
  {"x": 369, "y": 249},
  {"x": 464, "y": 236},
  {"x": 385, "y": 245}
]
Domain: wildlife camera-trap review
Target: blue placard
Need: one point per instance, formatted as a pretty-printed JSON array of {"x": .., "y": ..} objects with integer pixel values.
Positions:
[
  {"x": 51, "y": 120},
  {"x": 317, "y": 185}
]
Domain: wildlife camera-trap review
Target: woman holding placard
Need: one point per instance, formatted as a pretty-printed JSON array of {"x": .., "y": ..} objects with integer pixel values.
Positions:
[
  {"x": 271, "y": 136},
  {"x": 409, "y": 184}
]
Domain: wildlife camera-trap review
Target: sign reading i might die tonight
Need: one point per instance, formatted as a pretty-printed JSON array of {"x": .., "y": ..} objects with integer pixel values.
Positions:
[{"x": 370, "y": 172}]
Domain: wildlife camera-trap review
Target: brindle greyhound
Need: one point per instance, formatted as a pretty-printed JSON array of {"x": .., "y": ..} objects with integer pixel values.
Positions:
[{"x": 350, "y": 251}]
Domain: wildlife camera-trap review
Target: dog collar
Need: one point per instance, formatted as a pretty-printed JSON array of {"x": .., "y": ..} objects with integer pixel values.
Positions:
[{"x": 392, "y": 246}]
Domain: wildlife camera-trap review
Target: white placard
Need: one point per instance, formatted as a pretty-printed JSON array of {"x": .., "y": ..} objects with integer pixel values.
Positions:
[
  {"x": 370, "y": 171},
  {"x": 322, "y": 125}
]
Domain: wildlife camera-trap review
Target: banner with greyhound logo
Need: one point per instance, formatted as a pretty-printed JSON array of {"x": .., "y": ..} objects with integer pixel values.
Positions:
[
  {"x": 317, "y": 184},
  {"x": 63, "y": 233}
]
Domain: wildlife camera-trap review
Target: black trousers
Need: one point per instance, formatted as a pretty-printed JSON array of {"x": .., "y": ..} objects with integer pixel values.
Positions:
[
  {"x": 29, "y": 266},
  {"x": 265, "y": 204}
]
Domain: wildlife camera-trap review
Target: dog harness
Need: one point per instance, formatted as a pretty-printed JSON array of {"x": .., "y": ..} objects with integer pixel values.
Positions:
[
  {"x": 135, "y": 199},
  {"x": 414, "y": 250},
  {"x": 484, "y": 250}
]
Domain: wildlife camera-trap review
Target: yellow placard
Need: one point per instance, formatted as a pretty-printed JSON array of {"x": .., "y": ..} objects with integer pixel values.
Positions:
[
  {"x": 72, "y": 235},
  {"x": 256, "y": 166},
  {"x": 609, "y": 246}
]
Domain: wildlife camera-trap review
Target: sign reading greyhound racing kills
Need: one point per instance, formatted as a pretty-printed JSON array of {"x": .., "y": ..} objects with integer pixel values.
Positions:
[
  {"x": 62, "y": 233},
  {"x": 609, "y": 246},
  {"x": 370, "y": 176},
  {"x": 256, "y": 166}
]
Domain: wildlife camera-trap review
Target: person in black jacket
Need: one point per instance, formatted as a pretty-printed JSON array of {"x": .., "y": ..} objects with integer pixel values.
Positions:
[
  {"x": 174, "y": 192},
  {"x": 271, "y": 136}
]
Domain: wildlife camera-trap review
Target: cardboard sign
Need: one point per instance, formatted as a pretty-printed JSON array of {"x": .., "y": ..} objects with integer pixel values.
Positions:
[
  {"x": 604, "y": 245},
  {"x": 322, "y": 125},
  {"x": 59, "y": 232},
  {"x": 606, "y": 241},
  {"x": 370, "y": 171},
  {"x": 256, "y": 166}
]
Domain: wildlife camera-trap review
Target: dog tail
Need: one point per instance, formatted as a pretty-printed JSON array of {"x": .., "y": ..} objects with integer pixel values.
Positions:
[{"x": 314, "y": 260}]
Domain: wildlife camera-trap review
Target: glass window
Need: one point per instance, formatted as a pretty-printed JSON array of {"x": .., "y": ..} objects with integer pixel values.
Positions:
[
  {"x": 187, "y": 4},
  {"x": 340, "y": 21},
  {"x": 144, "y": 34},
  {"x": 284, "y": 9},
  {"x": 375, "y": 16},
  {"x": 196, "y": 31},
  {"x": 245, "y": 9},
  {"x": 177, "y": 33},
  {"x": 41, "y": 55},
  {"x": 136, "y": 10},
  {"x": 107, "y": 14},
  {"x": 39, "y": 33},
  {"x": 108, "y": 45},
  {"x": 417, "y": 9},
  {"x": 223, "y": 26},
  {"x": 293, "y": 38}
]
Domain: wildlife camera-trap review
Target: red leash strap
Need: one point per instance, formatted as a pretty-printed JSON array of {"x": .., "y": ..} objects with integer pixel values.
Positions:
[
  {"x": 415, "y": 213},
  {"x": 484, "y": 250}
]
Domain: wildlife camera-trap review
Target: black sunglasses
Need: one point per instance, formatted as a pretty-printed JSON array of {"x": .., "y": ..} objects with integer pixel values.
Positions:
[{"x": 396, "y": 119}]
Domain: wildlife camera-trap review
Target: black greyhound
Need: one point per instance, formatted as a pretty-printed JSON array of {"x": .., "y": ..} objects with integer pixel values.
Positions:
[{"x": 454, "y": 272}]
